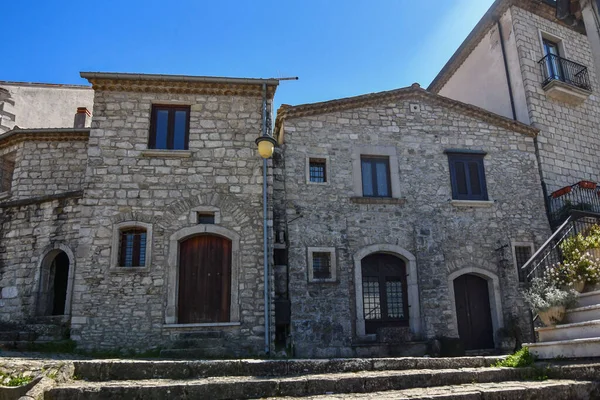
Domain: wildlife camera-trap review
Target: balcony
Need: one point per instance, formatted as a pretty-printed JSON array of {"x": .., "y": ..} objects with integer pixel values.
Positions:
[
  {"x": 582, "y": 196},
  {"x": 565, "y": 80}
]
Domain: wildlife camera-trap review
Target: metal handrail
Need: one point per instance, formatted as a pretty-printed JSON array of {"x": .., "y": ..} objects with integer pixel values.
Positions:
[{"x": 557, "y": 68}]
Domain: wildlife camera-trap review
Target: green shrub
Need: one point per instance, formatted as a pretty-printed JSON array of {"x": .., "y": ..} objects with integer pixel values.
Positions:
[{"x": 522, "y": 358}]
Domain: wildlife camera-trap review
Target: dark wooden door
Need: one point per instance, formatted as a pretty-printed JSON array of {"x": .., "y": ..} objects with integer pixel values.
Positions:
[
  {"x": 385, "y": 298},
  {"x": 60, "y": 267},
  {"x": 473, "y": 312},
  {"x": 204, "y": 280}
]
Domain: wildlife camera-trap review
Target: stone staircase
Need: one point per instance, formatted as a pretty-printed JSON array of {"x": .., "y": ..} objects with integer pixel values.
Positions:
[
  {"x": 577, "y": 337},
  {"x": 392, "y": 378},
  {"x": 39, "y": 330},
  {"x": 196, "y": 345}
]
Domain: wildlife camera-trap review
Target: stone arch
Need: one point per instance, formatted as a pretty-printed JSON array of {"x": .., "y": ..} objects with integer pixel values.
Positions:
[
  {"x": 412, "y": 281},
  {"x": 494, "y": 294},
  {"x": 44, "y": 265},
  {"x": 173, "y": 267}
]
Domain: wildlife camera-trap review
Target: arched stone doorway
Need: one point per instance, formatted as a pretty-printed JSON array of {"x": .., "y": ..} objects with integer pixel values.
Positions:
[
  {"x": 54, "y": 286},
  {"x": 477, "y": 306}
]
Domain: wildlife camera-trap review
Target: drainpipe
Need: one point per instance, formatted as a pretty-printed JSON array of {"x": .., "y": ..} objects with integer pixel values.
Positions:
[
  {"x": 506, "y": 70},
  {"x": 265, "y": 244}
]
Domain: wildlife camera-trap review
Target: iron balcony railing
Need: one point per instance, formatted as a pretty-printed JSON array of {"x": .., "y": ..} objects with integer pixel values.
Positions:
[
  {"x": 556, "y": 68},
  {"x": 550, "y": 254},
  {"x": 582, "y": 196}
]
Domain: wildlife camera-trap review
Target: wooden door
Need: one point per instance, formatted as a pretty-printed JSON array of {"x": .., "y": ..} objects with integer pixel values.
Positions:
[
  {"x": 473, "y": 312},
  {"x": 204, "y": 280},
  {"x": 385, "y": 298}
]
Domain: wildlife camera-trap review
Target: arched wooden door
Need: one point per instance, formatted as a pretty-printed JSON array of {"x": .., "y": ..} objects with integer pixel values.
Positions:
[
  {"x": 473, "y": 312},
  {"x": 204, "y": 280},
  {"x": 385, "y": 298}
]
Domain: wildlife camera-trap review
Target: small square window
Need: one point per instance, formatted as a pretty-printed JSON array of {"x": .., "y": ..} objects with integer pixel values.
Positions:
[
  {"x": 169, "y": 127},
  {"x": 132, "y": 248},
  {"x": 321, "y": 264},
  {"x": 467, "y": 176},
  {"x": 522, "y": 255},
  {"x": 206, "y": 218},
  {"x": 317, "y": 170},
  {"x": 376, "y": 176}
]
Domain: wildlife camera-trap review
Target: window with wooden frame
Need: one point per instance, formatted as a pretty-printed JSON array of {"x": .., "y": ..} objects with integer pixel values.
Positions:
[
  {"x": 467, "y": 175},
  {"x": 169, "y": 127},
  {"x": 317, "y": 170},
  {"x": 7, "y": 168},
  {"x": 132, "y": 247},
  {"x": 375, "y": 172}
]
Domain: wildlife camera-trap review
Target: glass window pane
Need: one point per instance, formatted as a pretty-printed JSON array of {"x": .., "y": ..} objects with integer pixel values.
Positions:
[
  {"x": 180, "y": 130},
  {"x": 162, "y": 124},
  {"x": 317, "y": 171},
  {"x": 381, "y": 171},
  {"x": 395, "y": 301},
  {"x": 461, "y": 177},
  {"x": 371, "y": 301},
  {"x": 474, "y": 178},
  {"x": 321, "y": 266},
  {"x": 367, "y": 178}
]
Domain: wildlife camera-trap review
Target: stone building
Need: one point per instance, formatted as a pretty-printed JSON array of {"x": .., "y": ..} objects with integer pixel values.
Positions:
[
  {"x": 526, "y": 61},
  {"x": 398, "y": 211},
  {"x": 102, "y": 227}
]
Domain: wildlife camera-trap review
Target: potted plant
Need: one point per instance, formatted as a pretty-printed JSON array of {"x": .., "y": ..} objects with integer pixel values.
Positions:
[{"x": 548, "y": 301}]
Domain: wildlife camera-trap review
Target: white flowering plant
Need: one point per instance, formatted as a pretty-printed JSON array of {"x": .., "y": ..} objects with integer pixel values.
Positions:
[{"x": 543, "y": 295}]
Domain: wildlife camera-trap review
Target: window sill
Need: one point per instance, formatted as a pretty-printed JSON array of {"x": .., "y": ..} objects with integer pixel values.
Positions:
[
  {"x": 323, "y": 281},
  {"x": 472, "y": 203},
  {"x": 317, "y": 183},
  {"x": 166, "y": 153},
  {"x": 125, "y": 270},
  {"x": 202, "y": 325},
  {"x": 377, "y": 200}
]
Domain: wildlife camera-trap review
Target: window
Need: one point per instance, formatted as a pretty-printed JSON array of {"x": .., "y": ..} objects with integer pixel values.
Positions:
[
  {"x": 553, "y": 64},
  {"x": 7, "y": 167},
  {"x": 206, "y": 218},
  {"x": 522, "y": 254},
  {"x": 169, "y": 127},
  {"x": 375, "y": 176},
  {"x": 321, "y": 264},
  {"x": 467, "y": 176},
  {"x": 133, "y": 248},
  {"x": 317, "y": 170}
]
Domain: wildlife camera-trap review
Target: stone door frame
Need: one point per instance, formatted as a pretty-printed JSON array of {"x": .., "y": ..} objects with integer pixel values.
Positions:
[
  {"x": 412, "y": 284},
  {"x": 493, "y": 291},
  {"x": 44, "y": 263},
  {"x": 173, "y": 271}
]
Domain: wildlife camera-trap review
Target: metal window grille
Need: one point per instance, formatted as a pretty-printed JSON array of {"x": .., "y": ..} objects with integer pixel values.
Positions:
[
  {"x": 522, "y": 255},
  {"x": 133, "y": 248},
  {"x": 371, "y": 301},
  {"x": 317, "y": 171},
  {"x": 321, "y": 265},
  {"x": 395, "y": 303}
]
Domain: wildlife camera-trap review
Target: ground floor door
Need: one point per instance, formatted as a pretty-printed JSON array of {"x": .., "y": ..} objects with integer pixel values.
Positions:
[
  {"x": 204, "y": 280},
  {"x": 473, "y": 312},
  {"x": 54, "y": 281}
]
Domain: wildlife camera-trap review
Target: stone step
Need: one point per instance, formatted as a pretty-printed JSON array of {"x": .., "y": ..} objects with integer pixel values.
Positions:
[
  {"x": 248, "y": 387},
  {"x": 542, "y": 390},
  {"x": 200, "y": 335},
  {"x": 194, "y": 353},
  {"x": 197, "y": 343},
  {"x": 104, "y": 370},
  {"x": 589, "y": 298},
  {"x": 583, "y": 314},
  {"x": 579, "y": 330},
  {"x": 575, "y": 348}
]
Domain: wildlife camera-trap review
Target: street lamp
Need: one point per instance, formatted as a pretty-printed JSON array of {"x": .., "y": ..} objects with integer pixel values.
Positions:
[{"x": 266, "y": 146}]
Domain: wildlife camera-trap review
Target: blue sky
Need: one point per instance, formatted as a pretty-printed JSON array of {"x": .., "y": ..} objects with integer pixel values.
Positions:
[{"x": 337, "y": 48}]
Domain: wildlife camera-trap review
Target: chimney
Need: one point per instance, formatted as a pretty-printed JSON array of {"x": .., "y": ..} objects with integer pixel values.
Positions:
[{"x": 81, "y": 117}]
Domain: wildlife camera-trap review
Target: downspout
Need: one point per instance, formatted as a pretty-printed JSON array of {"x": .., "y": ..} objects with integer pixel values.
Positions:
[
  {"x": 508, "y": 82},
  {"x": 265, "y": 223}
]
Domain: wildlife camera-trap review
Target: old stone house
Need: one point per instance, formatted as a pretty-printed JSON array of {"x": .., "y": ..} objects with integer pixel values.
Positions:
[{"x": 398, "y": 208}]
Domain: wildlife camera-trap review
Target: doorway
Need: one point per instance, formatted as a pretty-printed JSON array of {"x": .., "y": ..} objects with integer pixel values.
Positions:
[
  {"x": 473, "y": 312},
  {"x": 54, "y": 282}
]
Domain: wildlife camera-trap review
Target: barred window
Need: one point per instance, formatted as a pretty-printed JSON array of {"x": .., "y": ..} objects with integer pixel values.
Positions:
[
  {"x": 371, "y": 300},
  {"x": 522, "y": 255},
  {"x": 132, "y": 248},
  {"x": 321, "y": 266},
  {"x": 317, "y": 170}
]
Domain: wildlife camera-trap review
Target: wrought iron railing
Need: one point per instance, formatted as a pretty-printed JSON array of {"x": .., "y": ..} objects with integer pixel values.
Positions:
[
  {"x": 582, "y": 196},
  {"x": 550, "y": 253},
  {"x": 557, "y": 68}
]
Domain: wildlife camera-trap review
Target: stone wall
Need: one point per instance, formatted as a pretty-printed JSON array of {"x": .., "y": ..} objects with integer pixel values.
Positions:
[
  {"x": 444, "y": 239},
  {"x": 569, "y": 143},
  {"x": 130, "y": 308}
]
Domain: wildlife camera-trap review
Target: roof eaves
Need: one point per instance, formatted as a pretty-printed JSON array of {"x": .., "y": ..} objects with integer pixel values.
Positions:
[{"x": 178, "y": 78}]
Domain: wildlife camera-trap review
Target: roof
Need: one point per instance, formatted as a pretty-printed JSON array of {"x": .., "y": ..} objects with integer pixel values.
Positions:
[
  {"x": 180, "y": 83},
  {"x": 48, "y": 85},
  {"x": 17, "y": 135},
  {"x": 488, "y": 20},
  {"x": 412, "y": 92}
]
